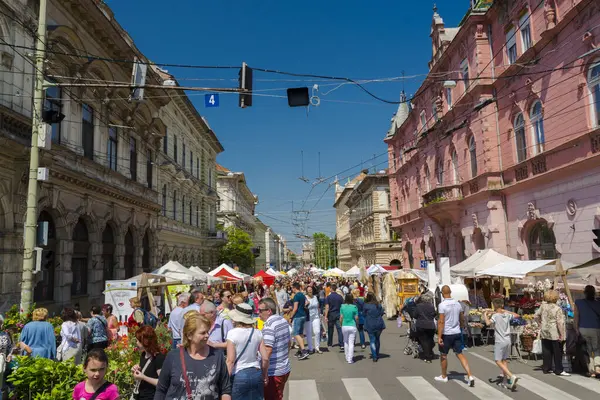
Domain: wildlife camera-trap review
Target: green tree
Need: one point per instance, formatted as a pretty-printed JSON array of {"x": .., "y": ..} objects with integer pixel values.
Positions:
[
  {"x": 238, "y": 249},
  {"x": 325, "y": 252}
]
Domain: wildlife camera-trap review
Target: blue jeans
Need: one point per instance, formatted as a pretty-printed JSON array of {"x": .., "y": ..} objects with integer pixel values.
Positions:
[
  {"x": 374, "y": 343},
  {"x": 298, "y": 326},
  {"x": 331, "y": 322},
  {"x": 361, "y": 334},
  {"x": 248, "y": 385},
  {"x": 175, "y": 343}
]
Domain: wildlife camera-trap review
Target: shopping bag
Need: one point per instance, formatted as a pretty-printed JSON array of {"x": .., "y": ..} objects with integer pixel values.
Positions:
[
  {"x": 537, "y": 347},
  {"x": 399, "y": 321}
]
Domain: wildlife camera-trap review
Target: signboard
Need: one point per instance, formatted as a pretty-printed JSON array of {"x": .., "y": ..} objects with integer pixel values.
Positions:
[
  {"x": 211, "y": 100},
  {"x": 423, "y": 264},
  {"x": 117, "y": 294}
]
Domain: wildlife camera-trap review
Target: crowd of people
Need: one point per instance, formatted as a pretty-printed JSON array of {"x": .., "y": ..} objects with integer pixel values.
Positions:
[{"x": 235, "y": 344}]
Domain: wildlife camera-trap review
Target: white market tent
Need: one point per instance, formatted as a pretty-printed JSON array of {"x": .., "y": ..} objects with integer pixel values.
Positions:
[
  {"x": 337, "y": 271},
  {"x": 352, "y": 272},
  {"x": 226, "y": 270},
  {"x": 292, "y": 271},
  {"x": 272, "y": 272},
  {"x": 332, "y": 273},
  {"x": 520, "y": 269},
  {"x": 175, "y": 271},
  {"x": 480, "y": 260},
  {"x": 376, "y": 269},
  {"x": 211, "y": 280}
]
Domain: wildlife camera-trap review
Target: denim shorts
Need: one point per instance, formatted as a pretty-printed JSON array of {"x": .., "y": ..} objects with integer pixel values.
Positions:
[
  {"x": 452, "y": 342},
  {"x": 298, "y": 326}
]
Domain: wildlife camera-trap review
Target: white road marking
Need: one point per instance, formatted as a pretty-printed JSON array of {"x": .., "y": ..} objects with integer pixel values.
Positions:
[
  {"x": 360, "y": 389},
  {"x": 482, "y": 390},
  {"x": 420, "y": 388},
  {"x": 588, "y": 383},
  {"x": 542, "y": 389},
  {"x": 303, "y": 390}
]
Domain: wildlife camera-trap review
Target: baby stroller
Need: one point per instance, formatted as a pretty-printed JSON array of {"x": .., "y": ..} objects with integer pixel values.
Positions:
[{"x": 412, "y": 343}]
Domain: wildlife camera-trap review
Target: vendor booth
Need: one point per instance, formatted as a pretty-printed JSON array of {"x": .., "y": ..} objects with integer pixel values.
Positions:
[
  {"x": 353, "y": 272},
  {"x": 229, "y": 274},
  {"x": 267, "y": 278}
]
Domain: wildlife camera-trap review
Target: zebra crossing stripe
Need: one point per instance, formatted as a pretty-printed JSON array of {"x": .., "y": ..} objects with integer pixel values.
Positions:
[
  {"x": 420, "y": 388},
  {"x": 543, "y": 390},
  {"x": 303, "y": 390},
  {"x": 588, "y": 383},
  {"x": 360, "y": 389},
  {"x": 482, "y": 390}
]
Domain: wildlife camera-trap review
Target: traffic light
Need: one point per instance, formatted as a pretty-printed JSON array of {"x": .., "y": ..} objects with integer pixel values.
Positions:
[
  {"x": 52, "y": 116},
  {"x": 298, "y": 97},
  {"x": 245, "y": 78},
  {"x": 596, "y": 233}
]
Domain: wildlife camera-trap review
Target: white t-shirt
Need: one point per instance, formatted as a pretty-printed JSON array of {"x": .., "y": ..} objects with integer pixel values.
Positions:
[
  {"x": 250, "y": 358},
  {"x": 451, "y": 310}
]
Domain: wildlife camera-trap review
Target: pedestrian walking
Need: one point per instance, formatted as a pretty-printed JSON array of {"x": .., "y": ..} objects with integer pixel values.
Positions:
[
  {"x": 243, "y": 346},
  {"x": 349, "y": 322},
  {"x": 217, "y": 335},
  {"x": 425, "y": 324},
  {"x": 359, "y": 302},
  {"x": 298, "y": 320},
  {"x": 175, "y": 323},
  {"x": 98, "y": 327},
  {"x": 333, "y": 303},
  {"x": 70, "y": 335},
  {"x": 374, "y": 324},
  {"x": 113, "y": 322},
  {"x": 552, "y": 333},
  {"x": 313, "y": 323},
  {"x": 281, "y": 297},
  {"x": 587, "y": 323},
  {"x": 146, "y": 373},
  {"x": 451, "y": 320},
  {"x": 276, "y": 339},
  {"x": 501, "y": 321}
]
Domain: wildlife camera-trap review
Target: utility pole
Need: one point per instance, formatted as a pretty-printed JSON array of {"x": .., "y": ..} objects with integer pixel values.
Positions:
[{"x": 32, "y": 188}]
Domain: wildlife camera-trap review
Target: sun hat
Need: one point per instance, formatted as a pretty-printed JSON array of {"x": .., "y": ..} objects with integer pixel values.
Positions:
[{"x": 242, "y": 313}]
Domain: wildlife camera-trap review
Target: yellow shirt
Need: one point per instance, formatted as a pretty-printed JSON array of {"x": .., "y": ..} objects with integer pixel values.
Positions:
[{"x": 259, "y": 324}]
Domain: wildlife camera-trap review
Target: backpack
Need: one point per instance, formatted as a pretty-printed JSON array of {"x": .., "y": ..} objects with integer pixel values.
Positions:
[{"x": 149, "y": 318}]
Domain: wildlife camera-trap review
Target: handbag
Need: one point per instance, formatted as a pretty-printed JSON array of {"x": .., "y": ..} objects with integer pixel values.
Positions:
[
  {"x": 536, "y": 348},
  {"x": 188, "y": 388},
  {"x": 136, "y": 388}
]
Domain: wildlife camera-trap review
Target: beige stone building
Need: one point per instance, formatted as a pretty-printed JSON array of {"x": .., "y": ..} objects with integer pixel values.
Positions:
[
  {"x": 371, "y": 240},
  {"x": 101, "y": 204},
  {"x": 342, "y": 222},
  {"x": 236, "y": 201}
]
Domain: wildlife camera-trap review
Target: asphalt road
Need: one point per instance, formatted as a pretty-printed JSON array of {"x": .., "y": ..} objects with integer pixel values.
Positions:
[{"x": 327, "y": 376}]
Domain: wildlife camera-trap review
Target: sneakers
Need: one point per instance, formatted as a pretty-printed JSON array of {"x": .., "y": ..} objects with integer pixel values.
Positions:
[
  {"x": 298, "y": 354},
  {"x": 342, "y": 348},
  {"x": 512, "y": 382},
  {"x": 303, "y": 356},
  {"x": 564, "y": 374},
  {"x": 471, "y": 381},
  {"x": 441, "y": 378}
]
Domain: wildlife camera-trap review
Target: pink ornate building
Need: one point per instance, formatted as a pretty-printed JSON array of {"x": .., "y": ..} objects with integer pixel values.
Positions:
[{"x": 500, "y": 146}]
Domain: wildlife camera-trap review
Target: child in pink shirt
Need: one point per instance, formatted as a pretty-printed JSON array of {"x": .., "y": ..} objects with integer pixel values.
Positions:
[{"x": 95, "y": 366}]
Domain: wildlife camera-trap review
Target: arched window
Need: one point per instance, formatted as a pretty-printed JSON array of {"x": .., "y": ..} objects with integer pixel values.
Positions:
[
  {"x": 542, "y": 243},
  {"x": 440, "y": 171},
  {"x": 473, "y": 156},
  {"x": 520, "y": 138},
  {"x": 455, "y": 166},
  {"x": 79, "y": 259},
  {"x": 537, "y": 124},
  {"x": 427, "y": 180},
  {"x": 594, "y": 85}
]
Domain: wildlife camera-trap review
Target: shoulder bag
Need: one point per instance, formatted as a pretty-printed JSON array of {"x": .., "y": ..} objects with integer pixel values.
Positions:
[
  {"x": 136, "y": 388},
  {"x": 188, "y": 388},
  {"x": 100, "y": 390},
  {"x": 244, "y": 349}
]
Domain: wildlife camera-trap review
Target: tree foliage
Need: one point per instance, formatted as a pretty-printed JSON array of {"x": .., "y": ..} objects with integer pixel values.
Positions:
[
  {"x": 238, "y": 249},
  {"x": 325, "y": 250}
]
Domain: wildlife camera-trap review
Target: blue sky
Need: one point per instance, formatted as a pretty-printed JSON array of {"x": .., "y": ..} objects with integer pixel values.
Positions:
[{"x": 356, "y": 39}]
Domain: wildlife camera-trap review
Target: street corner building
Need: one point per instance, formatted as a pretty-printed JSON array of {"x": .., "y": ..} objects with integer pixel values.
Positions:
[
  {"x": 499, "y": 148},
  {"x": 131, "y": 183}
]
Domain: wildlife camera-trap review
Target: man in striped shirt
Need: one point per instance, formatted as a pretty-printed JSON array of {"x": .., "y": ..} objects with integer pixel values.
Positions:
[{"x": 276, "y": 338}]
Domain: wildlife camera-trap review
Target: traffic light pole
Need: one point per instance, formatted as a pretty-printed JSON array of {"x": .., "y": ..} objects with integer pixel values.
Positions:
[{"x": 32, "y": 188}]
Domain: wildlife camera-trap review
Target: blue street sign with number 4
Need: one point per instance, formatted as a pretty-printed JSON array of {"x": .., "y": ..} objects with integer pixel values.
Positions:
[{"x": 211, "y": 100}]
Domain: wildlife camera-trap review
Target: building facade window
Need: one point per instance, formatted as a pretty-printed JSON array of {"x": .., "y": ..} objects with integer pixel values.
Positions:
[
  {"x": 423, "y": 121},
  {"x": 149, "y": 174},
  {"x": 394, "y": 159},
  {"x": 537, "y": 124},
  {"x": 197, "y": 168},
  {"x": 449, "y": 97},
  {"x": 79, "y": 259},
  {"x": 87, "y": 131},
  {"x": 464, "y": 73},
  {"x": 190, "y": 214},
  {"x": 455, "y": 166},
  {"x": 164, "y": 200},
  {"x": 166, "y": 143},
  {"x": 133, "y": 158},
  {"x": 183, "y": 208},
  {"x": 594, "y": 85},
  {"x": 542, "y": 243},
  {"x": 175, "y": 205},
  {"x": 113, "y": 145},
  {"x": 183, "y": 155},
  {"x": 473, "y": 156},
  {"x": 511, "y": 46},
  {"x": 197, "y": 215},
  {"x": 427, "y": 179},
  {"x": 434, "y": 110},
  {"x": 440, "y": 171},
  {"x": 521, "y": 140},
  {"x": 191, "y": 163},
  {"x": 525, "y": 28},
  {"x": 53, "y": 102},
  {"x": 175, "y": 148}
]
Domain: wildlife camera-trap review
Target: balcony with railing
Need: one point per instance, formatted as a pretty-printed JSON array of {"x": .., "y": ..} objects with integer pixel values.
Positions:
[{"x": 443, "y": 194}]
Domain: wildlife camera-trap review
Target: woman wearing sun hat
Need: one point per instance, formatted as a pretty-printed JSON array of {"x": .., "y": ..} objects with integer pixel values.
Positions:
[{"x": 244, "y": 342}]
